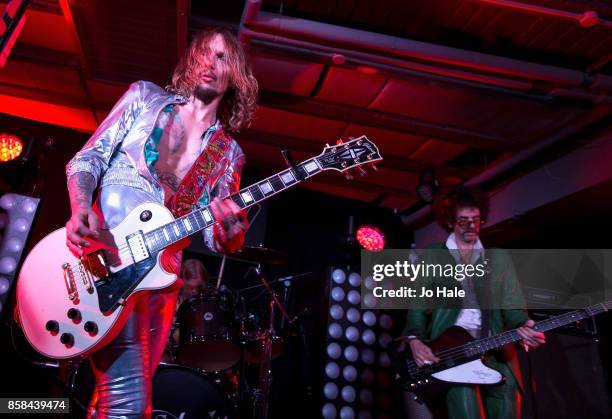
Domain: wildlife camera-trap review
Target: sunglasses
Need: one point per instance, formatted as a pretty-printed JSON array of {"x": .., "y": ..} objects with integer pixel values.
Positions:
[{"x": 465, "y": 222}]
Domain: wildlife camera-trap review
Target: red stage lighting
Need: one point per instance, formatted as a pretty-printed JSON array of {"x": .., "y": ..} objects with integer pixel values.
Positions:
[
  {"x": 10, "y": 147},
  {"x": 371, "y": 238}
]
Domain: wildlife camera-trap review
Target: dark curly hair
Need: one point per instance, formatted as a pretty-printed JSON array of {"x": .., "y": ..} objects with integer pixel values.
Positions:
[
  {"x": 450, "y": 200},
  {"x": 239, "y": 103}
]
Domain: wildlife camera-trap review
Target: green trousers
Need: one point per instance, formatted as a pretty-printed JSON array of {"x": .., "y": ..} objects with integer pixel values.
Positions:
[{"x": 501, "y": 401}]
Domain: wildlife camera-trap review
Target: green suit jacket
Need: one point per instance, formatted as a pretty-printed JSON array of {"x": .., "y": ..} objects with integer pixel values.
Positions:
[{"x": 503, "y": 286}]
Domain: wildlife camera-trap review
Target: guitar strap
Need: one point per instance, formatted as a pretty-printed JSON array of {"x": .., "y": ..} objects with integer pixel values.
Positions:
[{"x": 204, "y": 171}]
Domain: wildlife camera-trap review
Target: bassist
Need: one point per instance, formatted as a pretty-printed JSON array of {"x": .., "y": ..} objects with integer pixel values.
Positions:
[{"x": 461, "y": 211}]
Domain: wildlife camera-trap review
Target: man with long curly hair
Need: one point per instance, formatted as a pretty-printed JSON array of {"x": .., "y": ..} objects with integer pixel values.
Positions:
[{"x": 171, "y": 146}]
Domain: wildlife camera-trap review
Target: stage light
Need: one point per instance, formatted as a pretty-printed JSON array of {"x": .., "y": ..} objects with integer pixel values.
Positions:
[
  {"x": 335, "y": 330},
  {"x": 368, "y": 337},
  {"x": 353, "y": 315},
  {"x": 384, "y": 340},
  {"x": 332, "y": 370},
  {"x": 371, "y": 238},
  {"x": 10, "y": 147},
  {"x": 351, "y": 353},
  {"x": 334, "y": 351},
  {"x": 369, "y": 318},
  {"x": 369, "y": 283},
  {"x": 329, "y": 411},
  {"x": 339, "y": 276},
  {"x": 369, "y": 300},
  {"x": 367, "y": 356},
  {"x": 336, "y": 312},
  {"x": 8, "y": 265},
  {"x": 348, "y": 394},
  {"x": 354, "y": 297},
  {"x": 383, "y": 360},
  {"x": 347, "y": 413},
  {"x": 4, "y": 284},
  {"x": 354, "y": 348},
  {"x": 337, "y": 294},
  {"x": 386, "y": 322},
  {"x": 330, "y": 390},
  {"x": 349, "y": 373},
  {"x": 354, "y": 279},
  {"x": 15, "y": 225}
]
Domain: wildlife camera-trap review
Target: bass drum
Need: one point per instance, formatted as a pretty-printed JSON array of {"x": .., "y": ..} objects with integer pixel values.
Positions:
[{"x": 180, "y": 392}]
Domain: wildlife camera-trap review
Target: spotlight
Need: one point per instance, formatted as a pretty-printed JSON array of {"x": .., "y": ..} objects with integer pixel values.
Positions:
[
  {"x": 371, "y": 238},
  {"x": 428, "y": 185},
  {"x": 11, "y": 147}
]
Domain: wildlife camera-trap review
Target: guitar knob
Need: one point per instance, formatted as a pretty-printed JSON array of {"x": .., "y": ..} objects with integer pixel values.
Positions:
[
  {"x": 67, "y": 339},
  {"x": 74, "y": 314},
  {"x": 52, "y": 326},
  {"x": 91, "y": 327}
]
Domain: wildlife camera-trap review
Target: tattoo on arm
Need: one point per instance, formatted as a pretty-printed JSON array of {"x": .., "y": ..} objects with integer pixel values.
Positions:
[
  {"x": 169, "y": 179},
  {"x": 81, "y": 186}
]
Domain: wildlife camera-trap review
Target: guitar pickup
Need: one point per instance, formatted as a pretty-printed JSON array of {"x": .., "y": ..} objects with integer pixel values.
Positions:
[{"x": 138, "y": 247}]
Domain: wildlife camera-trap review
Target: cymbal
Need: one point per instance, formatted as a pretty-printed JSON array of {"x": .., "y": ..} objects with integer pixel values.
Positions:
[{"x": 263, "y": 255}]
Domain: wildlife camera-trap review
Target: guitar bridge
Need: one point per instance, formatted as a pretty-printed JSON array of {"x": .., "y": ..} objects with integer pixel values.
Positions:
[{"x": 70, "y": 283}]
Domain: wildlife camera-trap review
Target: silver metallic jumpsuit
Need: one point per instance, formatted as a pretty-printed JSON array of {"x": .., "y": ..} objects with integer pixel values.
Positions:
[{"x": 115, "y": 155}]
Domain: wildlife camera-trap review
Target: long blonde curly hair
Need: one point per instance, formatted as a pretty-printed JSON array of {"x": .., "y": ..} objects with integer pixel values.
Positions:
[{"x": 240, "y": 100}]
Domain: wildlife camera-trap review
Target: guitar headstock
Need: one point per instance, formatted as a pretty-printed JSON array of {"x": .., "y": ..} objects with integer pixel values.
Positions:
[{"x": 353, "y": 153}]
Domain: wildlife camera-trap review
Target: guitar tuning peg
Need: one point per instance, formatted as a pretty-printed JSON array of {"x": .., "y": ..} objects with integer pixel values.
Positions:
[
  {"x": 362, "y": 171},
  {"x": 339, "y": 141},
  {"x": 348, "y": 175},
  {"x": 373, "y": 166}
]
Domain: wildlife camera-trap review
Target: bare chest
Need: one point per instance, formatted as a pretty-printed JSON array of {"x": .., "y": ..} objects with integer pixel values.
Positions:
[{"x": 178, "y": 148}]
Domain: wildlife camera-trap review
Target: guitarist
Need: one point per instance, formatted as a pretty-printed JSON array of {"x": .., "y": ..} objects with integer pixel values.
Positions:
[
  {"x": 461, "y": 211},
  {"x": 170, "y": 146}
]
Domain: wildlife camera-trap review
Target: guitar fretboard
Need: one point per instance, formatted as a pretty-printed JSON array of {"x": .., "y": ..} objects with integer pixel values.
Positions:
[
  {"x": 202, "y": 218},
  {"x": 483, "y": 345}
]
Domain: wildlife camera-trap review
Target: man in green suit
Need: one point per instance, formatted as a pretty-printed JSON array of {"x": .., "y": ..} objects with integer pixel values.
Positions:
[{"x": 462, "y": 211}]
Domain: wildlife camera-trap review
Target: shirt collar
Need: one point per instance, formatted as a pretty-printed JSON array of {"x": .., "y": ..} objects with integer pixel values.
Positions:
[{"x": 451, "y": 244}]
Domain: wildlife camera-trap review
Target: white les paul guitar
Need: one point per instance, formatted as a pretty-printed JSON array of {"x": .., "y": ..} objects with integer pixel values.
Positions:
[{"x": 72, "y": 307}]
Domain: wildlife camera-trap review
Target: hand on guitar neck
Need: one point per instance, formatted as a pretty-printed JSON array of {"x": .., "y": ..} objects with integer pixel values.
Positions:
[
  {"x": 531, "y": 338},
  {"x": 423, "y": 355}
]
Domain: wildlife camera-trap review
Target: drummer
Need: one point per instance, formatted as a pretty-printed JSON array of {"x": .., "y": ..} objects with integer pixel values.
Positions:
[{"x": 196, "y": 281}]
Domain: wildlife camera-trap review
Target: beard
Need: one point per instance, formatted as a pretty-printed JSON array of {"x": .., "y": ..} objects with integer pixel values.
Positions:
[{"x": 205, "y": 93}]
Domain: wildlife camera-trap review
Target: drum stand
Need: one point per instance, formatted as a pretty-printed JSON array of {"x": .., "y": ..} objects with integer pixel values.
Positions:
[{"x": 261, "y": 395}]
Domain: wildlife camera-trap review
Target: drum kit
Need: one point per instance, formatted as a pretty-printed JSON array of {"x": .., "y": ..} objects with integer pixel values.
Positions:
[{"x": 219, "y": 346}]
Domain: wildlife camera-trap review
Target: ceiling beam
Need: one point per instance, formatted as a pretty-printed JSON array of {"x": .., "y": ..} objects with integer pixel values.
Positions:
[{"x": 384, "y": 120}]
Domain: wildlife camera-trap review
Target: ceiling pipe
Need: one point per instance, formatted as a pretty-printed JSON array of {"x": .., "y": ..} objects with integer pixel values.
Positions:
[
  {"x": 358, "y": 40},
  {"x": 520, "y": 157},
  {"x": 402, "y": 71},
  {"x": 386, "y": 63},
  {"x": 587, "y": 19}
]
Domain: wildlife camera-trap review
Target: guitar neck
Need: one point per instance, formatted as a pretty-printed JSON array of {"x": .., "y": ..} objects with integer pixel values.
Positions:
[
  {"x": 182, "y": 227},
  {"x": 481, "y": 346}
]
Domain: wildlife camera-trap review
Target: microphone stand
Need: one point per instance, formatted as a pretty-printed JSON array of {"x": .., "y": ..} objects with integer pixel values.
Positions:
[{"x": 262, "y": 394}]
